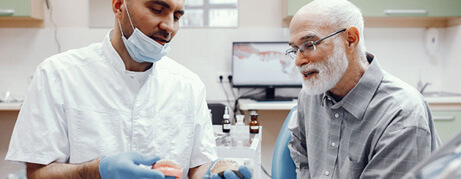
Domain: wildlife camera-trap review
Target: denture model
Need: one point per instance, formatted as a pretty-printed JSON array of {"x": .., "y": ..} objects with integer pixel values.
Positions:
[
  {"x": 220, "y": 166},
  {"x": 168, "y": 168}
]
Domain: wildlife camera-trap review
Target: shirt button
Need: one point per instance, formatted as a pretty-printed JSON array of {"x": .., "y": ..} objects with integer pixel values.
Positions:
[
  {"x": 333, "y": 144},
  {"x": 327, "y": 173},
  {"x": 336, "y": 115}
]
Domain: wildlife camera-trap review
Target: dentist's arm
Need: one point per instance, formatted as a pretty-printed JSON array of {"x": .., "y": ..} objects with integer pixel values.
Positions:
[
  {"x": 122, "y": 165},
  {"x": 198, "y": 172},
  {"x": 64, "y": 170}
]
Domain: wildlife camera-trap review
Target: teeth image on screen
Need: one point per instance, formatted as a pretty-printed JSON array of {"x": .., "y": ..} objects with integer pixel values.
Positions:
[{"x": 264, "y": 63}]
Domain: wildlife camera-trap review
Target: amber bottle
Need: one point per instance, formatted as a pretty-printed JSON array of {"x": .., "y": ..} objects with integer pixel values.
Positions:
[{"x": 254, "y": 124}]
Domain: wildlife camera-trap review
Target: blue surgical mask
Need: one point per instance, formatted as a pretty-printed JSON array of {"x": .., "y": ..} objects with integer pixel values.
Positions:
[{"x": 141, "y": 47}]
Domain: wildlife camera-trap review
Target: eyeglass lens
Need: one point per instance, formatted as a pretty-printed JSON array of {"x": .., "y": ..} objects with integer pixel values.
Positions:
[{"x": 309, "y": 46}]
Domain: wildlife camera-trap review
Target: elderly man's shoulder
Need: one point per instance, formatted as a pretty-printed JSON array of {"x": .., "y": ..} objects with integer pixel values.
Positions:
[
  {"x": 402, "y": 104},
  {"x": 400, "y": 93}
]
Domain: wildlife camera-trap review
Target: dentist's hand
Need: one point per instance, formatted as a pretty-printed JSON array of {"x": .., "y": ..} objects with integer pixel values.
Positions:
[
  {"x": 126, "y": 165},
  {"x": 229, "y": 174}
]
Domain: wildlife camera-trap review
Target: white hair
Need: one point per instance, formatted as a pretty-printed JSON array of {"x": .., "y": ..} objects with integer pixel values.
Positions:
[{"x": 341, "y": 14}]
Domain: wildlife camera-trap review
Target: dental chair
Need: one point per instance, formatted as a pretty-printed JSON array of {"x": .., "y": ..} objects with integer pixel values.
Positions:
[
  {"x": 217, "y": 111},
  {"x": 283, "y": 166}
]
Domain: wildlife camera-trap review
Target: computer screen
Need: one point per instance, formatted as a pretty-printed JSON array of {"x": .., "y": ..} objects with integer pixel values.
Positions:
[{"x": 263, "y": 64}]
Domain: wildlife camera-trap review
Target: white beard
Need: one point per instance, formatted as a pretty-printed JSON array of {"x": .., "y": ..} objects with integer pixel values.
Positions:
[{"x": 330, "y": 72}]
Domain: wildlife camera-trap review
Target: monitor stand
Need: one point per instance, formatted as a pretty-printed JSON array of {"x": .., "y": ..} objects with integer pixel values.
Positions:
[{"x": 270, "y": 96}]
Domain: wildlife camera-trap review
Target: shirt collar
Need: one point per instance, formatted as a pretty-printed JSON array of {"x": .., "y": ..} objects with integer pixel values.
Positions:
[
  {"x": 111, "y": 55},
  {"x": 357, "y": 100},
  {"x": 114, "y": 59}
]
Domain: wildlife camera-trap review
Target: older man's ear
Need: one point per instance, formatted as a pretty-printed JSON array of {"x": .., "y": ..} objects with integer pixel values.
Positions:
[{"x": 352, "y": 37}]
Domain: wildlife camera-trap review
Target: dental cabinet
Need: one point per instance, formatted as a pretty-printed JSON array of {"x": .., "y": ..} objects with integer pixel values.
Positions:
[
  {"x": 22, "y": 13},
  {"x": 8, "y": 115},
  {"x": 396, "y": 13},
  {"x": 447, "y": 119},
  {"x": 379, "y": 8},
  {"x": 447, "y": 123}
]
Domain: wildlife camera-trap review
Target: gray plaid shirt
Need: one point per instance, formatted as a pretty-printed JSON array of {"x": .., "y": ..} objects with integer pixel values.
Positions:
[{"x": 381, "y": 129}]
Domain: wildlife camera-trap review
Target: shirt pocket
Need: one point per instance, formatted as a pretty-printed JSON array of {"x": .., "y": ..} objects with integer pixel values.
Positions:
[
  {"x": 93, "y": 133},
  {"x": 351, "y": 168}
]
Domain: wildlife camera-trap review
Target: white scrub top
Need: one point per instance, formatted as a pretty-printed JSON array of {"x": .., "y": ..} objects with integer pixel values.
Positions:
[{"x": 83, "y": 104}]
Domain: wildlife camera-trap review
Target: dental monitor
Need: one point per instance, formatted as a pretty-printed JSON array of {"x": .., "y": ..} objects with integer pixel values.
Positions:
[{"x": 264, "y": 65}]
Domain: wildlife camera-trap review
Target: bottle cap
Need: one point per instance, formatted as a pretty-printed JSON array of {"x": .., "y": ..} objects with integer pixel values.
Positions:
[
  {"x": 226, "y": 113},
  {"x": 253, "y": 113}
]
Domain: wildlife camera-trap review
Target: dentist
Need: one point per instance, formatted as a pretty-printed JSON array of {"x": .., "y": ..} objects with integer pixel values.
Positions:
[{"x": 102, "y": 111}]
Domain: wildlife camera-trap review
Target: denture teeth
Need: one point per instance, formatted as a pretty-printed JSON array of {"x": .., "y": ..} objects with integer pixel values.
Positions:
[
  {"x": 168, "y": 168},
  {"x": 226, "y": 164}
]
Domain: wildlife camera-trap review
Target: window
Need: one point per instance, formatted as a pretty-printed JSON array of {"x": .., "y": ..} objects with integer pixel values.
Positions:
[{"x": 210, "y": 13}]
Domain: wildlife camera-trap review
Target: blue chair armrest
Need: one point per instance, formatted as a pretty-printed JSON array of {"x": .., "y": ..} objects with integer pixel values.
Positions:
[{"x": 283, "y": 166}]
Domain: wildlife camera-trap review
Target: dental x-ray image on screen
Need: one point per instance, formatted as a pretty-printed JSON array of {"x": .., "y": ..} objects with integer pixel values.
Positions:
[{"x": 264, "y": 64}]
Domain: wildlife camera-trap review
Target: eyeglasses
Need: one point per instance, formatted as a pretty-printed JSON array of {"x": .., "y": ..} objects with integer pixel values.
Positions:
[{"x": 308, "y": 46}]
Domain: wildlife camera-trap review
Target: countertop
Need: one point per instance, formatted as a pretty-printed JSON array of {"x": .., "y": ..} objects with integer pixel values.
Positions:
[
  {"x": 13, "y": 106},
  {"x": 443, "y": 100},
  {"x": 435, "y": 102},
  {"x": 248, "y": 104}
]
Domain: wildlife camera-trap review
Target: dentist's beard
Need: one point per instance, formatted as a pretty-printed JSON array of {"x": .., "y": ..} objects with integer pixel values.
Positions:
[{"x": 330, "y": 72}]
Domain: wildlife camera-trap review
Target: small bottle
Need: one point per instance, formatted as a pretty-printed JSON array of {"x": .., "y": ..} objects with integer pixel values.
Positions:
[
  {"x": 254, "y": 124},
  {"x": 226, "y": 124},
  {"x": 240, "y": 126}
]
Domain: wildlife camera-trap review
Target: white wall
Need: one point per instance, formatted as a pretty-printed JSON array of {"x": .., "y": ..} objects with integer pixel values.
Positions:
[
  {"x": 452, "y": 61},
  {"x": 401, "y": 52}
]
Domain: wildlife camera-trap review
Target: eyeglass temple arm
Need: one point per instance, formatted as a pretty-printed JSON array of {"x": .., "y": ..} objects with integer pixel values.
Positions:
[{"x": 328, "y": 36}]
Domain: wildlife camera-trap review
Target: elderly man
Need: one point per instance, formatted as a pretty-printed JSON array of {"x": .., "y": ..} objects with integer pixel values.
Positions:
[
  {"x": 104, "y": 110},
  {"x": 354, "y": 119}
]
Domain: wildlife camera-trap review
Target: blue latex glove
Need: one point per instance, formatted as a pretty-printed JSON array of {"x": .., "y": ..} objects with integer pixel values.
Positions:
[
  {"x": 229, "y": 174},
  {"x": 126, "y": 165},
  {"x": 208, "y": 172}
]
